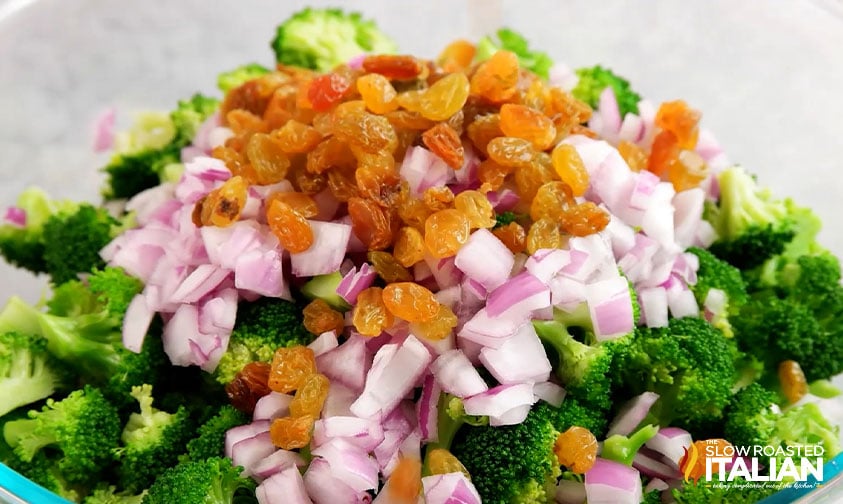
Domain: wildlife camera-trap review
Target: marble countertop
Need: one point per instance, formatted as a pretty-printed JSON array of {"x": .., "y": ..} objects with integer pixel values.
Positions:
[{"x": 767, "y": 75}]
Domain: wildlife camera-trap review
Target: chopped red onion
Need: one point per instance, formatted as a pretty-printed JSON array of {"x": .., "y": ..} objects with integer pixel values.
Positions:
[
  {"x": 657, "y": 221},
  {"x": 567, "y": 293},
  {"x": 450, "y": 296},
  {"x": 681, "y": 301},
  {"x": 271, "y": 406},
  {"x": 354, "y": 282},
  {"x": 136, "y": 323},
  {"x": 714, "y": 304},
  {"x": 450, "y": 488},
  {"x": 428, "y": 409},
  {"x": 422, "y": 170},
  {"x": 177, "y": 335},
  {"x": 610, "y": 308},
  {"x": 347, "y": 364},
  {"x": 653, "y": 306},
  {"x": 218, "y": 313},
  {"x": 330, "y": 241},
  {"x": 688, "y": 216},
  {"x": 365, "y": 433},
  {"x": 631, "y": 129},
  {"x": 632, "y": 413},
  {"x": 327, "y": 205},
  {"x": 241, "y": 432},
  {"x": 456, "y": 375},
  {"x": 656, "y": 485},
  {"x": 671, "y": 442},
  {"x": 275, "y": 463},
  {"x": 608, "y": 109},
  {"x": 621, "y": 235},
  {"x": 248, "y": 452},
  {"x": 15, "y": 216},
  {"x": 562, "y": 76},
  {"x": 550, "y": 393},
  {"x": 323, "y": 487},
  {"x": 104, "y": 130},
  {"x": 520, "y": 359},
  {"x": 609, "y": 482},
  {"x": 323, "y": 343},
  {"x": 286, "y": 486},
  {"x": 198, "y": 283},
  {"x": 643, "y": 189},
  {"x": 491, "y": 331},
  {"x": 485, "y": 259},
  {"x": 498, "y": 401},
  {"x": 261, "y": 272},
  {"x": 444, "y": 271},
  {"x": 385, "y": 389},
  {"x": 339, "y": 400},
  {"x": 519, "y": 296},
  {"x": 652, "y": 464},
  {"x": 503, "y": 200},
  {"x": 546, "y": 263},
  {"x": 350, "y": 464}
]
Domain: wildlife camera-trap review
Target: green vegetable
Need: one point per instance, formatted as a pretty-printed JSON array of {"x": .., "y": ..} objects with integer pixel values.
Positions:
[
  {"x": 152, "y": 442},
  {"x": 504, "y": 218},
  {"x": 261, "y": 328},
  {"x": 689, "y": 363},
  {"x": 143, "y": 155},
  {"x": 110, "y": 495},
  {"x": 324, "y": 287},
  {"x": 538, "y": 62},
  {"x": 714, "y": 273},
  {"x": 84, "y": 427},
  {"x": 210, "y": 441},
  {"x": 321, "y": 39},
  {"x": 24, "y": 246},
  {"x": 28, "y": 373},
  {"x": 227, "y": 81},
  {"x": 210, "y": 481},
  {"x": 592, "y": 82},
  {"x": 623, "y": 449}
]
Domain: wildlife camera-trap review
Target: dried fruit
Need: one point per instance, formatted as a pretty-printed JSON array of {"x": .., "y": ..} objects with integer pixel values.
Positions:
[
  {"x": 445, "y": 232},
  {"x": 310, "y": 397},
  {"x": 552, "y": 200},
  {"x": 290, "y": 227},
  {"x": 584, "y": 219},
  {"x": 511, "y": 151},
  {"x": 249, "y": 385},
  {"x": 544, "y": 234},
  {"x": 437, "y": 328},
  {"x": 570, "y": 168},
  {"x": 370, "y": 316},
  {"x": 377, "y": 93},
  {"x": 358, "y": 128},
  {"x": 497, "y": 78},
  {"x": 524, "y": 122},
  {"x": 394, "y": 66},
  {"x": 442, "y": 461},
  {"x": 370, "y": 223},
  {"x": 483, "y": 129},
  {"x": 513, "y": 236},
  {"x": 476, "y": 206},
  {"x": 576, "y": 449},
  {"x": 388, "y": 267},
  {"x": 410, "y": 301},
  {"x": 301, "y": 203},
  {"x": 404, "y": 485},
  {"x": 438, "y": 198},
  {"x": 268, "y": 159},
  {"x": 327, "y": 90},
  {"x": 663, "y": 154},
  {"x": 792, "y": 379},
  {"x": 290, "y": 368},
  {"x": 492, "y": 175},
  {"x": 456, "y": 56},
  {"x": 319, "y": 317},
  {"x": 409, "y": 246},
  {"x": 296, "y": 138},
  {"x": 223, "y": 205},
  {"x": 445, "y": 97},
  {"x": 681, "y": 120},
  {"x": 688, "y": 172},
  {"x": 443, "y": 141},
  {"x": 290, "y": 433},
  {"x": 634, "y": 155}
]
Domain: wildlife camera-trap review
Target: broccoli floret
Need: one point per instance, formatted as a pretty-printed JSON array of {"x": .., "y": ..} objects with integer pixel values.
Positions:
[
  {"x": 581, "y": 363},
  {"x": 738, "y": 491},
  {"x": 114, "y": 288},
  {"x": 714, "y": 273},
  {"x": 752, "y": 226},
  {"x": 110, "y": 495},
  {"x": 210, "y": 441},
  {"x": 84, "y": 427},
  {"x": 28, "y": 373},
  {"x": 623, "y": 448},
  {"x": 210, "y": 481},
  {"x": 689, "y": 363},
  {"x": 324, "y": 287},
  {"x": 83, "y": 328},
  {"x": 152, "y": 442},
  {"x": 227, "y": 81},
  {"x": 144, "y": 154},
  {"x": 321, "y": 39},
  {"x": 538, "y": 62},
  {"x": 753, "y": 418},
  {"x": 592, "y": 82},
  {"x": 23, "y": 246},
  {"x": 261, "y": 328}
]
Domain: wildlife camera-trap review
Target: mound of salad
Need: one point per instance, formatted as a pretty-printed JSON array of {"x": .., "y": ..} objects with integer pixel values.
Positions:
[{"x": 361, "y": 276}]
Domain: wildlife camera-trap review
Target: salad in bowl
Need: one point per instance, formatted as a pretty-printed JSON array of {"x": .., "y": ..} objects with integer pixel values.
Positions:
[{"x": 364, "y": 276}]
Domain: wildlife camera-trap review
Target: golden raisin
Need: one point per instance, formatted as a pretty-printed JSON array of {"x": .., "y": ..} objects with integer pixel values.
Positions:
[
  {"x": 405, "y": 485},
  {"x": 290, "y": 433},
  {"x": 394, "y": 66},
  {"x": 267, "y": 158},
  {"x": 443, "y": 141},
  {"x": 524, "y": 122},
  {"x": 249, "y": 385},
  {"x": 319, "y": 317},
  {"x": 663, "y": 154},
  {"x": 510, "y": 151},
  {"x": 327, "y": 90},
  {"x": 497, "y": 78},
  {"x": 584, "y": 219},
  {"x": 456, "y": 56},
  {"x": 405, "y": 119},
  {"x": 370, "y": 223},
  {"x": 544, "y": 234},
  {"x": 442, "y": 461},
  {"x": 552, "y": 200},
  {"x": 295, "y": 137},
  {"x": 792, "y": 379},
  {"x": 310, "y": 397},
  {"x": 290, "y": 227},
  {"x": 413, "y": 211},
  {"x": 330, "y": 153},
  {"x": 411, "y": 100},
  {"x": 681, "y": 120},
  {"x": 492, "y": 175},
  {"x": 483, "y": 129},
  {"x": 377, "y": 93},
  {"x": 438, "y": 198},
  {"x": 409, "y": 246},
  {"x": 358, "y": 128},
  {"x": 513, "y": 236},
  {"x": 445, "y": 232},
  {"x": 475, "y": 205},
  {"x": 576, "y": 449},
  {"x": 570, "y": 168},
  {"x": 290, "y": 367},
  {"x": 445, "y": 97},
  {"x": 529, "y": 178},
  {"x": 688, "y": 171},
  {"x": 301, "y": 203},
  {"x": 370, "y": 316},
  {"x": 388, "y": 267},
  {"x": 223, "y": 205},
  {"x": 634, "y": 155},
  {"x": 410, "y": 301},
  {"x": 437, "y": 328}
]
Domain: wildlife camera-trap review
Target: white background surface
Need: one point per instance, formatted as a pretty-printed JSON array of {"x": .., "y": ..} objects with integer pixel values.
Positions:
[{"x": 766, "y": 74}]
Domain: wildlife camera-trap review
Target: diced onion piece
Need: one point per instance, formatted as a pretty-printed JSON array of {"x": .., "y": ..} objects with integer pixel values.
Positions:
[
  {"x": 520, "y": 359},
  {"x": 609, "y": 482},
  {"x": 450, "y": 488},
  {"x": 330, "y": 241},
  {"x": 485, "y": 259},
  {"x": 286, "y": 486},
  {"x": 632, "y": 413},
  {"x": 456, "y": 375}
]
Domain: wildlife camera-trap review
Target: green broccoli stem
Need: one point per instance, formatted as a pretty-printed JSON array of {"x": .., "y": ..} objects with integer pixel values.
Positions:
[
  {"x": 19, "y": 433},
  {"x": 450, "y": 418},
  {"x": 19, "y": 316},
  {"x": 623, "y": 448}
]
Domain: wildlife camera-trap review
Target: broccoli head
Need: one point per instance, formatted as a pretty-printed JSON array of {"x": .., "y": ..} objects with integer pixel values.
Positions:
[
  {"x": 209, "y": 481},
  {"x": 28, "y": 373},
  {"x": 752, "y": 226},
  {"x": 22, "y": 244},
  {"x": 538, "y": 62},
  {"x": 83, "y": 426},
  {"x": 210, "y": 439},
  {"x": 321, "y": 39},
  {"x": 227, "y": 81},
  {"x": 689, "y": 363},
  {"x": 714, "y": 273},
  {"x": 592, "y": 82},
  {"x": 152, "y": 442},
  {"x": 105, "y": 494},
  {"x": 261, "y": 328}
]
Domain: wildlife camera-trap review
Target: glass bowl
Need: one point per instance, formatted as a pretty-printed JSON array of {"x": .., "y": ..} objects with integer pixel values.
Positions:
[{"x": 767, "y": 78}]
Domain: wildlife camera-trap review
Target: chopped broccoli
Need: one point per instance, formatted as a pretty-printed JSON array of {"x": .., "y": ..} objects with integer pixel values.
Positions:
[
  {"x": 227, "y": 81},
  {"x": 623, "y": 448},
  {"x": 689, "y": 363},
  {"x": 24, "y": 246},
  {"x": 143, "y": 155},
  {"x": 28, "y": 373},
  {"x": 751, "y": 225},
  {"x": 516, "y": 463},
  {"x": 152, "y": 442},
  {"x": 84, "y": 426},
  {"x": 451, "y": 417},
  {"x": 592, "y": 82},
  {"x": 262, "y": 327},
  {"x": 714, "y": 273},
  {"x": 538, "y": 62},
  {"x": 321, "y": 39},
  {"x": 210, "y": 481},
  {"x": 83, "y": 328},
  {"x": 210, "y": 441},
  {"x": 582, "y": 364},
  {"x": 504, "y": 218},
  {"x": 324, "y": 287},
  {"x": 109, "y": 495},
  {"x": 753, "y": 418}
]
